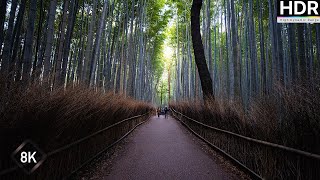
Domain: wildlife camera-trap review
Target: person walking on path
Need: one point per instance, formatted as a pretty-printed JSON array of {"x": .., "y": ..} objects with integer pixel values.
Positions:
[
  {"x": 166, "y": 112},
  {"x": 158, "y": 112}
]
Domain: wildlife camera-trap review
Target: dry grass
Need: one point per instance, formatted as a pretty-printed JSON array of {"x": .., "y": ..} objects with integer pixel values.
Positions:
[
  {"x": 287, "y": 117},
  {"x": 53, "y": 119}
]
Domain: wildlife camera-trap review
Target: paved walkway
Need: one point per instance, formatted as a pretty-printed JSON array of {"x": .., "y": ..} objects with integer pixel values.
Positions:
[{"x": 164, "y": 149}]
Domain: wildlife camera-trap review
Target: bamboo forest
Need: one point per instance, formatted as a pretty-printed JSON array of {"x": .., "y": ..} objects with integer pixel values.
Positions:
[{"x": 78, "y": 76}]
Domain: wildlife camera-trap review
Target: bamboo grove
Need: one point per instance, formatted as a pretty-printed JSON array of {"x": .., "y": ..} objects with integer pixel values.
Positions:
[
  {"x": 118, "y": 45},
  {"x": 248, "y": 53},
  {"x": 100, "y": 43}
]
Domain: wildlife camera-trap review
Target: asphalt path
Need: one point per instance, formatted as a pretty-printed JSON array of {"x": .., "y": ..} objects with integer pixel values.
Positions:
[{"x": 164, "y": 149}]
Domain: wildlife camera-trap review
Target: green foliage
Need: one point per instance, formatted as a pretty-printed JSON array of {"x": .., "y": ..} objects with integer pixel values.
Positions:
[
  {"x": 157, "y": 58},
  {"x": 157, "y": 19}
]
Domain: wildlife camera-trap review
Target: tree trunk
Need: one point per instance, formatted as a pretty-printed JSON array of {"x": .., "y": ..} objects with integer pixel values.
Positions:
[
  {"x": 40, "y": 22},
  {"x": 60, "y": 47},
  {"x": 49, "y": 42},
  {"x": 6, "y": 54},
  {"x": 81, "y": 46},
  {"x": 200, "y": 60},
  {"x": 131, "y": 55},
  {"x": 97, "y": 43},
  {"x": 39, "y": 65},
  {"x": 301, "y": 52},
  {"x": 72, "y": 18},
  {"x": 293, "y": 54},
  {"x": 27, "y": 56},
  {"x": 3, "y": 7},
  {"x": 262, "y": 52},
  {"x": 17, "y": 36},
  {"x": 235, "y": 51},
  {"x": 88, "y": 54}
]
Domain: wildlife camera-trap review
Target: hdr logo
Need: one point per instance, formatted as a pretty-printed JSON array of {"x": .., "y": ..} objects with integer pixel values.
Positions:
[{"x": 298, "y": 11}]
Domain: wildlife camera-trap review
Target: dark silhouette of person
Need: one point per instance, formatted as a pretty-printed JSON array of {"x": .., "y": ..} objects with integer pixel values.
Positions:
[
  {"x": 166, "y": 112},
  {"x": 158, "y": 112}
]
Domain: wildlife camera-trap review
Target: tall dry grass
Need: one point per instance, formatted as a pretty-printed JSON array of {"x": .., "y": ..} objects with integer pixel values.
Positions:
[
  {"x": 52, "y": 119},
  {"x": 287, "y": 117}
]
